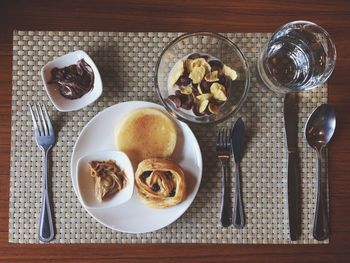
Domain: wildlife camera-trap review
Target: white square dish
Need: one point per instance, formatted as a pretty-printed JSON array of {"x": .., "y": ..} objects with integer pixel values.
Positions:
[
  {"x": 87, "y": 183},
  {"x": 64, "y": 104}
]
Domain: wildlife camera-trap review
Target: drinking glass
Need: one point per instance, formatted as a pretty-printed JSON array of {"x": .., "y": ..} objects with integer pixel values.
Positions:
[{"x": 299, "y": 56}]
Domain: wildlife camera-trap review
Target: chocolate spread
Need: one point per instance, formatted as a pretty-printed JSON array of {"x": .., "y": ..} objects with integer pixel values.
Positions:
[{"x": 74, "y": 80}]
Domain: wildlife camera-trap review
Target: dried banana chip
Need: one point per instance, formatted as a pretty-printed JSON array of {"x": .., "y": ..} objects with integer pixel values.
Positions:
[
  {"x": 203, "y": 105},
  {"x": 197, "y": 74},
  {"x": 197, "y": 62},
  {"x": 230, "y": 72},
  {"x": 207, "y": 67},
  {"x": 186, "y": 90},
  {"x": 187, "y": 64},
  {"x": 191, "y": 65},
  {"x": 199, "y": 88},
  {"x": 177, "y": 74},
  {"x": 218, "y": 91},
  {"x": 205, "y": 96},
  {"x": 212, "y": 76}
]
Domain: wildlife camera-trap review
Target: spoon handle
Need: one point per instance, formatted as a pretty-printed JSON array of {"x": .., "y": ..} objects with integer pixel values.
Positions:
[{"x": 320, "y": 231}]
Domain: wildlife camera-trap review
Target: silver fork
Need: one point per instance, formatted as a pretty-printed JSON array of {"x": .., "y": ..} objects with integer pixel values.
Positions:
[
  {"x": 223, "y": 148},
  {"x": 45, "y": 139}
]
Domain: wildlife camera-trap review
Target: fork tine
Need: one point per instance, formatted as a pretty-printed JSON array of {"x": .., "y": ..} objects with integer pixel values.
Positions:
[
  {"x": 227, "y": 136},
  {"x": 40, "y": 126},
  {"x": 33, "y": 117},
  {"x": 222, "y": 143},
  {"x": 219, "y": 139},
  {"x": 42, "y": 119},
  {"x": 48, "y": 121},
  {"x": 225, "y": 139}
]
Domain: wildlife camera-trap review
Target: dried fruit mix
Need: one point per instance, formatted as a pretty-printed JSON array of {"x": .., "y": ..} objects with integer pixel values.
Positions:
[{"x": 201, "y": 84}]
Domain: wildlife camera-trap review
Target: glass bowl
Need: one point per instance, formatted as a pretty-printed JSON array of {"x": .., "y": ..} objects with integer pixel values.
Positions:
[{"x": 216, "y": 46}]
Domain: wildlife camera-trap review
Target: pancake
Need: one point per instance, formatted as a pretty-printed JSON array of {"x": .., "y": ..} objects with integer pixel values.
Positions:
[{"x": 146, "y": 133}]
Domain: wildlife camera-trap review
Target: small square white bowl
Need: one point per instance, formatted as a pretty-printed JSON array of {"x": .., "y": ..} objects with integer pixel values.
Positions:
[
  {"x": 61, "y": 103},
  {"x": 86, "y": 183}
]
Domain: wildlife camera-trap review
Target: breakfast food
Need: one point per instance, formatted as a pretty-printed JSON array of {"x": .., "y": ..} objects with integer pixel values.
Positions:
[
  {"x": 109, "y": 178},
  {"x": 73, "y": 81},
  {"x": 200, "y": 83},
  {"x": 160, "y": 183},
  {"x": 146, "y": 133}
]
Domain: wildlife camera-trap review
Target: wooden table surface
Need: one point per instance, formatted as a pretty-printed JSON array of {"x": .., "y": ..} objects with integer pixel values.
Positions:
[{"x": 170, "y": 15}]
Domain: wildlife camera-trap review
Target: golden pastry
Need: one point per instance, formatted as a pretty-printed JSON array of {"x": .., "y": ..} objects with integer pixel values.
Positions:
[
  {"x": 160, "y": 183},
  {"x": 146, "y": 133}
]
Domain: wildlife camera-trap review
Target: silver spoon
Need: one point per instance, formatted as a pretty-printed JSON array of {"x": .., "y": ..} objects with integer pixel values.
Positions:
[{"x": 319, "y": 130}]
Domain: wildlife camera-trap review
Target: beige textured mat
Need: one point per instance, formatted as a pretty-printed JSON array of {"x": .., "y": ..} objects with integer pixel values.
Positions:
[{"x": 126, "y": 62}]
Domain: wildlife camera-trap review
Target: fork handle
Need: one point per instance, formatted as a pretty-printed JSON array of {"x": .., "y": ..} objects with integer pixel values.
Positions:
[
  {"x": 225, "y": 209},
  {"x": 238, "y": 213},
  {"x": 46, "y": 231}
]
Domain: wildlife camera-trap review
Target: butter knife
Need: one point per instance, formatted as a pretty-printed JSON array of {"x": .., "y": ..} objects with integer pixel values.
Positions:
[
  {"x": 291, "y": 130},
  {"x": 237, "y": 140}
]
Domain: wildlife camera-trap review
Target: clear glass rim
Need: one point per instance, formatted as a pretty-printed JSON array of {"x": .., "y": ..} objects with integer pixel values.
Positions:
[
  {"x": 247, "y": 82},
  {"x": 306, "y": 22}
]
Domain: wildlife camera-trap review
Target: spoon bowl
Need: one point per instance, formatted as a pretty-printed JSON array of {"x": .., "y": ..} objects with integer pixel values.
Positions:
[
  {"x": 319, "y": 130},
  {"x": 320, "y": 126}
]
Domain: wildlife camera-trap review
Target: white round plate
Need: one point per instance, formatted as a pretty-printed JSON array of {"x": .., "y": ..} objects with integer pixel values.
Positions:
[{"x": 134, "y": 216}]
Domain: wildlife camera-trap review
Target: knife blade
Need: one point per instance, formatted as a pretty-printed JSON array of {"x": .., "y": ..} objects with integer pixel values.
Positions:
[
  {"x": 237, "y": 141},
  {"x": 293, "y": 177}
]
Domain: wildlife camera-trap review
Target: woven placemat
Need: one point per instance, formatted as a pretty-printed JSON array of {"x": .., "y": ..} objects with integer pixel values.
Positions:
[{"x": 126, "y": 62}]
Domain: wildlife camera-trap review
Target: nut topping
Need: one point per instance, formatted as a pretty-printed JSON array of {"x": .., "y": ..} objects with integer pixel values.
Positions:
[
  {"x": 213, "y": 108},
  {"x": 176, "y": 100},
  {"x": 216, "y": 65}
]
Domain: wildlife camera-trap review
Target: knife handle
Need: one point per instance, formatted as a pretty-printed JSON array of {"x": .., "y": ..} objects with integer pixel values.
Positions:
[
  {"x": 238, "y": 213},
  {"x": 293, "y": 195}
]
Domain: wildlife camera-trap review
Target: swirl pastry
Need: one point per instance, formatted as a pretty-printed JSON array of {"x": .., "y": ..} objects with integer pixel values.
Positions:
[{"x": 160, "y": 182}]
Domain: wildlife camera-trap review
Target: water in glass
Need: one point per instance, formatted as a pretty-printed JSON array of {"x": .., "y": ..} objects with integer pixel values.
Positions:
[{"x": 296, "y": 59}]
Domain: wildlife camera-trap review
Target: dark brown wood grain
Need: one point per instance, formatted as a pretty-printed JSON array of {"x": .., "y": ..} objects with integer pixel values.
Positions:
[{"x": 170, "y": 15}]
